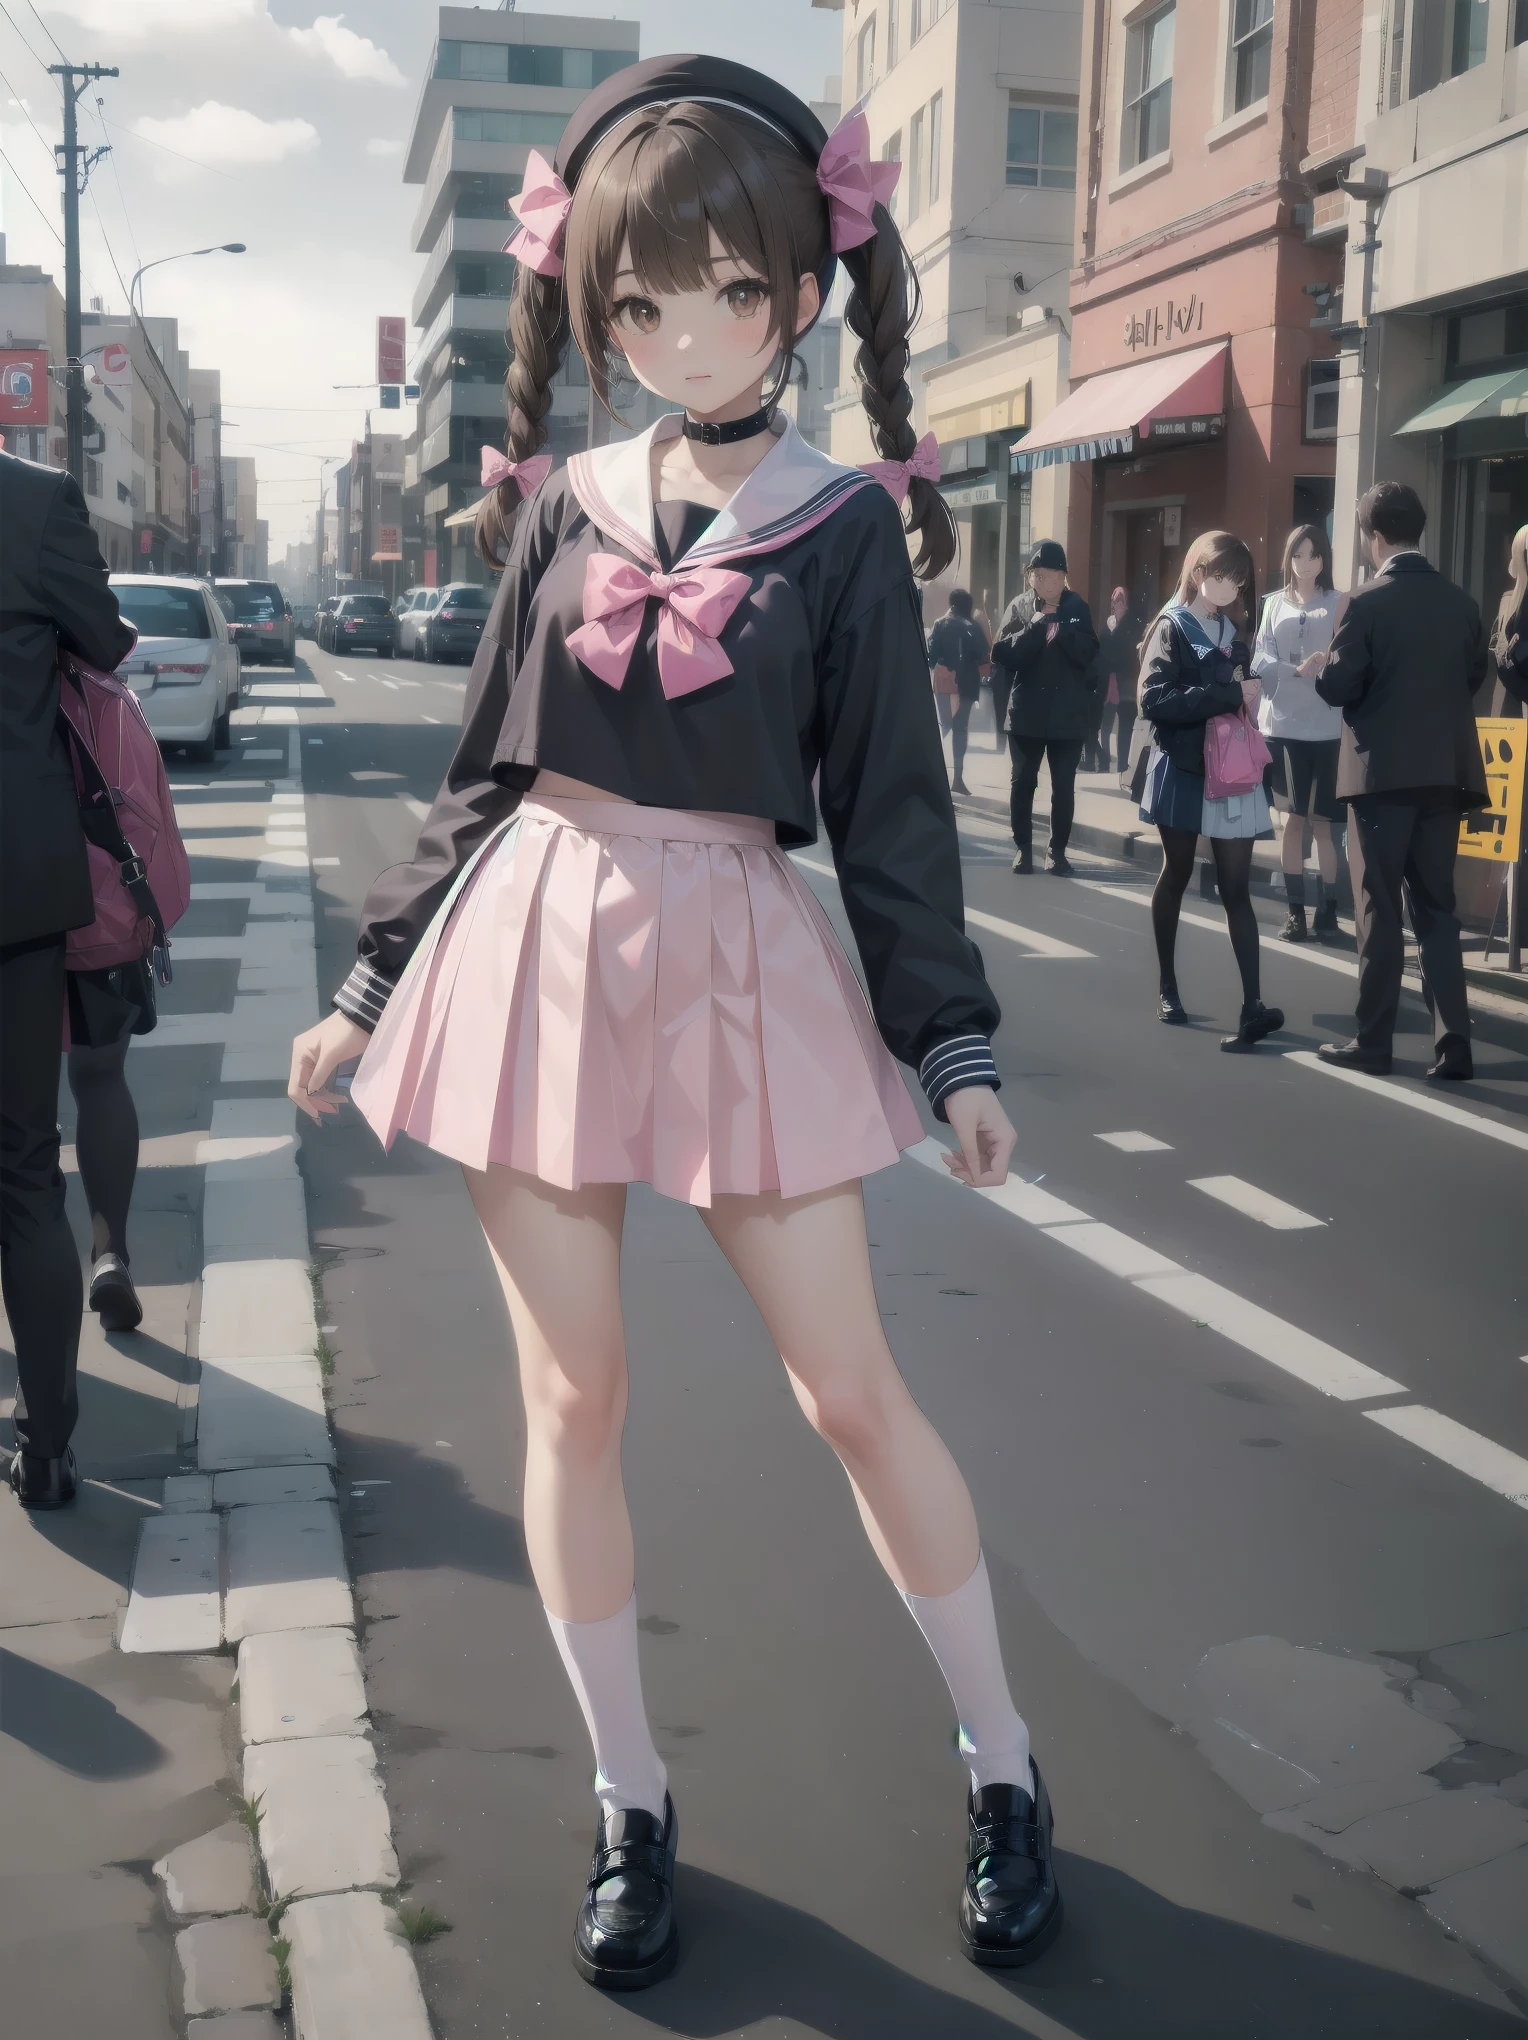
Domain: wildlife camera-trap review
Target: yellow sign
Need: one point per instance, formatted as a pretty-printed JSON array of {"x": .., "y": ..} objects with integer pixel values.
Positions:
[{"x": 1497, "y": 831}]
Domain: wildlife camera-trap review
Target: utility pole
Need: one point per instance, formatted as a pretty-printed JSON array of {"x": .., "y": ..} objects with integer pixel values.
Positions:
[{"x": 74, "y": 173}]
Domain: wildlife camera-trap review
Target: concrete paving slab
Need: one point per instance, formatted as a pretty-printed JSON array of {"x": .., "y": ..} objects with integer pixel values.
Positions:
[
  {"x": 253, "y": 1115},
  {"x": 173, "y": 1605},
  {"x": 295, "y": 1683},
  {"x": 266, "y": 1065},
  {"x": 214, "y": 1874},
  {"x": 252, "y": 1308},
  {"x": 259, "y": 1220},
  {"x": 255, "y": 1412},
  {"x": 286, "y": 1570},
  {"x": 77, "y": 1564},
  {"x": 272, "y": 1484},
  {"x": 226, "y": 1966},
  {"x": 1413, "y": 1847},
  {"x": 187, "y": 1493},
  {"x": 1487, "y": 1906},
  {"x": 238, "y": 2026},
  {"x": 352, "y": 1975},
  {"x": 324, "y": 1823}
]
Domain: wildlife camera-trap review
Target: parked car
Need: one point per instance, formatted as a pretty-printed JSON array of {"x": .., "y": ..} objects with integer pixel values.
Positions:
[
  {"x": 412, "y": 622},
  {"x": 363, "y": 623},
  {"x": 303, "y": 614},
  {"x": 454, "y": 625},
  {"x": 185, "y": 667},
  {"x": 407, "y": 599},
  {"x": 323, "y": 616},
  {"x": 261, "y": 619}
]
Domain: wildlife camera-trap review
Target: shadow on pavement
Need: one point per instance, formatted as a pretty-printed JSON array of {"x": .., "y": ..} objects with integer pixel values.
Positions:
[{"x": 71, "y": 1725}]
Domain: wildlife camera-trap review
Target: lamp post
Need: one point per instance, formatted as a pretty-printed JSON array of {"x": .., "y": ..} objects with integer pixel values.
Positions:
[{"x": 218, "y": 248}]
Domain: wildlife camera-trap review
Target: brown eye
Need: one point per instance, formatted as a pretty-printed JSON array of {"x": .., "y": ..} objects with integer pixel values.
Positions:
[
  {"x": 639, "y": 313},
  {"x": 745, "y": 297}
]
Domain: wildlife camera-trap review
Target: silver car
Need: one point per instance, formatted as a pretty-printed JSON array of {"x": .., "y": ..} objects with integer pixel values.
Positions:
[
  {"x": 185, "y": 667},
  {"x": 412, "y": 621}
]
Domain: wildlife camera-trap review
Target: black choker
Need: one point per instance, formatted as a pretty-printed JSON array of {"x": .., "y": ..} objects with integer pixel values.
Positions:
[{"x": 730, "y": 433}]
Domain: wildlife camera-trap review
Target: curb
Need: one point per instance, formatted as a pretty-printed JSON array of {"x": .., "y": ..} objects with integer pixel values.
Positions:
[{"x": 246, "y": 1554}]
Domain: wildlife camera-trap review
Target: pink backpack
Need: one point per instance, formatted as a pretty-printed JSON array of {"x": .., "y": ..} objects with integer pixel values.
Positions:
[
  {"x": 139, "y": 871},
  {"x": 1234, "y": 755}
]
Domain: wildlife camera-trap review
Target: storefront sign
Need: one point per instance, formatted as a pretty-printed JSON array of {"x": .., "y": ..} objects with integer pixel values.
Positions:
[
  {"x": 1496, "y": 832},
  {"x": 1183, "y": 431},
  {"x": 390, "y": 350},
  {"x": 389, "y": 542},
  {"x": 23, "y": 387},
  {"x": 974, "y": 493},
  {"x": 1153, "y": 324}
]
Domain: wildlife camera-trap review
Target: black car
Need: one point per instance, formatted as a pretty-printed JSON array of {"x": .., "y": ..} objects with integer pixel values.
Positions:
[
  {"x": 363, "y": 623},
  {"x": 259, "y": 621},
  {"x": 456, "y": 622}
]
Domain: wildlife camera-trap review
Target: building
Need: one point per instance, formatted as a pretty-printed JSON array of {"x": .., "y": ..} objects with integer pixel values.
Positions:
[
  {"x": 242, "y": 559},
  {"x": 499, "y": 84},
  {"x": 1200, "y": 391},
  {"x": 978, "y": 100},
  {"x": 32, "y": 332},
  {"x": 138, "y": 445},
  {"x": 1422, "y": 175},
  {"x": 206, "y": 393},
  {"x": 370, "y": 545}
]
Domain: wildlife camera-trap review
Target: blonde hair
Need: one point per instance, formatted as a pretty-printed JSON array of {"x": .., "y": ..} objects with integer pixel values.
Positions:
[{"x": 1517, "y": 586}]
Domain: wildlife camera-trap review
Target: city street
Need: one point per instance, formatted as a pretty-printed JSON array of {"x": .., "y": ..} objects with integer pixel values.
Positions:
[{"x": 1235, "y": 1366}]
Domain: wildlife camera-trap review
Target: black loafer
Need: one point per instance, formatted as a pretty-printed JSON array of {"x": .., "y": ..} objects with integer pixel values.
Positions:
[
  {"x": 1170, "y": 1010},
  {"x": 1452, "y": 1069},
  {"x": 113, "y": 1297},
  {"x": 1351, "y": 1055},
  {"x": 1254, "y": 1025},
  {"x": 1325, "y": 922},
  {"x": 1023, "y": 863},
  {"x": 1057, "y": 865},
  {"x": 44, "y": 1483},
  {"x": 1010, "y": 1905},
  {"x": 625, "y": 1938}
]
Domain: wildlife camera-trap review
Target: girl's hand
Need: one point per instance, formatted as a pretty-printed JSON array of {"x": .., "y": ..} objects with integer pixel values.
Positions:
[
  {"x": 985, "y": 1134},
  {"x": 1309, "y": 668},
  {"x": 316, "y": 1055}
]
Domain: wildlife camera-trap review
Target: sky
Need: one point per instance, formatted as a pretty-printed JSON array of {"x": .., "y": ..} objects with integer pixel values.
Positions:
[{"x": 267, "y": 122}]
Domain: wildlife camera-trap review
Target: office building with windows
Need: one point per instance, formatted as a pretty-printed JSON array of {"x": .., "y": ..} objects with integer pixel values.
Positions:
[
  {"x": 499, "y": 84},
  {"x": 978, "y": 102},
  {"x": 1201, "y": 392}
]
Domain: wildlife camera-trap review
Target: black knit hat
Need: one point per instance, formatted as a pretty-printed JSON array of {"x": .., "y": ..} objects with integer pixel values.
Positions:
[{"x": 1049, "y": 553}]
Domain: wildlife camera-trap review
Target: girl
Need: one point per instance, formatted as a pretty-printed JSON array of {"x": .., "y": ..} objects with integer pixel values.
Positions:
[
  {"x": 1509, "y": 633},
  {"x": 1303, "y": 733},
  {"x": 600, "y": 968},
  {"x": 1118, "y": 664},
  {"x": 1194, "y": 666},
  {"x": 959, "y": 644}
]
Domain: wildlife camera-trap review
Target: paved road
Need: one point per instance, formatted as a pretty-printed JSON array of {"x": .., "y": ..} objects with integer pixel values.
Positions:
[{"x": 1246, "y": 1491}]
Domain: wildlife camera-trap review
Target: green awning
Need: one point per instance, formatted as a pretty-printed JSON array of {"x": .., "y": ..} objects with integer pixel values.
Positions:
[{"x": 1483, "y": 398}]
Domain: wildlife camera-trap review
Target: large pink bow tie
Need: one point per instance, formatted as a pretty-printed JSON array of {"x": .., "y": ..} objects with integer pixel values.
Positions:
[
  {"x": 695, "y": 605},
  {"x": 541, "y": 206},
  {"x": 852, "y": 183},
  {"x": 527, "y": 475},
  {"x": 894, "y": 475}
]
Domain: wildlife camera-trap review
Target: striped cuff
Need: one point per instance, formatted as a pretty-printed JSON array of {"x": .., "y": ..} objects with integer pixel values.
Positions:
[
  {"x": 364, "y": 993},
  {"x": 951, "y": 1065}
]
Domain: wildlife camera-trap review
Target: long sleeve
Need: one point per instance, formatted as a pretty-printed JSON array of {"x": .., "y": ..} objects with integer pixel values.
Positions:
[
  {"x": 1350, "y": 663},
  {"x": 889, "y": 818},
  {"x": 1167, "y": 699},
  {"x": 75, "y": 587},
  {"x": 1020, "y": 650},
  {"x": 1076, "y": 639},
  {"x": 1267, "y": 663},
  {"x": 1479, "y": 654}
]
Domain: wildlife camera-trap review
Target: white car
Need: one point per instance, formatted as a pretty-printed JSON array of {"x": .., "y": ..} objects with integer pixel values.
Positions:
[
  {"x": 185, "y": 667},
  {"x": 413, "y": 620}
]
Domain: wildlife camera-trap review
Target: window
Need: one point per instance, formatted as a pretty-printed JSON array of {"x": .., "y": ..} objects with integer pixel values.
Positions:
[
  {"x": 496, "y": 124},
  {"x": 1322, "y": 379},
  {"x": 1147, "y": 124},
  {"x": 914, "y": 21},
  {"x": 528, "y": 64},
  {"x": 915, "y": 165},
  {"x": 1251, "y": 50},
  {"x": 1520, "y": 23},
  {"x": 865, "y": 71},
  {"x": 484, "y": 198},
  {"x": 156, "y": 611},
  {"x": 1445, "y": 39},
  {"x": 891, "y": 32},
  {"x": 92, "y": 477},
  {"x": 892, "y": 153},
  {"x": 936, "y": 143},
  {"x": 1042, "y": 147}
]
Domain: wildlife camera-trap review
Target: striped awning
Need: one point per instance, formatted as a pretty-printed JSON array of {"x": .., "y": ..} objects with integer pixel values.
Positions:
[{"x": 1114, "y": 412}]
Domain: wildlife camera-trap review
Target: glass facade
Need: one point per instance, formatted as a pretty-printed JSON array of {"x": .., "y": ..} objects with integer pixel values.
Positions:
[
  {"x": 500, "y": 124},
  {"x": 493, "y": 63}
]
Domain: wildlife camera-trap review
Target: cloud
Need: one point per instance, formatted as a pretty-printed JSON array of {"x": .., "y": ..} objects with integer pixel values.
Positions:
[
  {"x": 214, "y": 133},
  {"x": 134, "y": 19},
  {"x": 353, "y": 56},
  {"x": 383, "y": 145}
]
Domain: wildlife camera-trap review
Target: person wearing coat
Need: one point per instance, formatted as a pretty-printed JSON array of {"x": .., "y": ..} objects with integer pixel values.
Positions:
[
  {"x": 958, "y": 643},
  {"x": 1406, "y": 662},
  {"x": 1051, "y": 705},
  {"x": 53, "y": 590},
  {"x": 1119, "y": 665}
]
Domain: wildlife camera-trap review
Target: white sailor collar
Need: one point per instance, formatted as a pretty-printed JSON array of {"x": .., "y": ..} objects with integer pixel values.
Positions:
[{"x": 793, "y": 488}]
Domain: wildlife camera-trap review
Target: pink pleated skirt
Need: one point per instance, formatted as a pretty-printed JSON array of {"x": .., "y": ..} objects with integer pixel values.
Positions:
[{"x": 622, "y": 994}]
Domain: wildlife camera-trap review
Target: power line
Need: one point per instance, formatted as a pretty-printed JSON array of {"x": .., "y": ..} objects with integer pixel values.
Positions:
[
  {"x": 16, "y": 97},
  {"x": 52, "y": 38},
  {"x": 27, "y": 194},
  {"x": 148, "y": 142},
  {"x": 100, "y": 112},
  {"x": 37, "y": 60}
]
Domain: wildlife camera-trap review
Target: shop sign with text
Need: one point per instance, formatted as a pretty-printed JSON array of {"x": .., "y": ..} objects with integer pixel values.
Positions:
[{"x": 1151, "y": 324}]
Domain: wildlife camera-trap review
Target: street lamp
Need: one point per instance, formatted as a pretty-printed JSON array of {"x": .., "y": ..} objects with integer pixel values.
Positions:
[{"x": 219, "y": 248}]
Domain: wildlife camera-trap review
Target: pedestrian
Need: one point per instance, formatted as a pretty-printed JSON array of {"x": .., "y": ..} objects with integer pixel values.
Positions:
[
  {"x": 600, "y": 967},
  {"x": 1016, "y": 617},
  {"x": 1408, "y": 659},
  {"x": 1303, "y": 732},
  {"x": 1509, "y": 634},
  {"x": 958, "y": 646},
  {"x": 1119, "y": 663},
  {"x": 106, "y": 1009},
  {"x": 1050, "y": 710},
  {"x": 54, "y": 591},
  {"x": 1195, "y": 666}
]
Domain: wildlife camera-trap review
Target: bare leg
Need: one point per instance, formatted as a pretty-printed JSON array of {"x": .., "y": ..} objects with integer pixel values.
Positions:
[
  {"x": 1292, "y": 845},
  {"x": 1326, "y": 850}
]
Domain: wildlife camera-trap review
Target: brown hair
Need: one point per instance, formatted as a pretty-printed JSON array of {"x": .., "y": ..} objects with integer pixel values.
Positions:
[
  {"x": 655, "y": 185},
  {"x": 1213, "y": 552},
  {"x": 1316, "y": 533}
]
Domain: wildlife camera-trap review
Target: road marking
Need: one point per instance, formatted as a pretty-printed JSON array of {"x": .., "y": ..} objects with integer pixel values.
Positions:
[
  {"x": 389, "y": 683},
  {"x": 364, "y": 776},
  {"x": 1030, "y": 938},
  {"x": 1255, "y": 1203},
  {"x": 1419, "y": 1101},
  {"x": 1465, "y": 1450},
  {"x": 1136, "y": 1143},
  {"x": 325, "y": 860},
  {"x": 417, "y": 808},
  {"x": 431, "y": 718},
  {"x": 1273, "y": 1339},
  {"x": 250, "y": 756}
]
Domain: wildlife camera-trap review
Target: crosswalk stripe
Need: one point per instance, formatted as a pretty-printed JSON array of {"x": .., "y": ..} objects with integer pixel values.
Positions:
[
  {"x": 1254, "y": 1203},
  {"x": 1457, "y": 1446},
  {"x": 1032, "y": 939},
  {"x": 1136, "y": 1143}
]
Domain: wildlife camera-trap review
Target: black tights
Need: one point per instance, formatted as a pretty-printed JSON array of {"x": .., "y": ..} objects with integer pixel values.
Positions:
[
  {"x": 1233, "y": 874},
  {"x": 105, "y": 1141}
]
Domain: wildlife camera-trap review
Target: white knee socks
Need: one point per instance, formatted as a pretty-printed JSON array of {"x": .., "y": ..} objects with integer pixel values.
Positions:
[
  {"x": 961, "y": 1631},
  {"x": 601, "y": 1661}
]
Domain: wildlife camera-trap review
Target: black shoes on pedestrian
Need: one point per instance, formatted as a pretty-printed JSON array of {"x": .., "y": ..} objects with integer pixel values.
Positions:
[
  {"x": 1023, "y": 863},
  {"x": 1455, "y": 1064},
  {"x": 1057, "y": 864},
  {"x": 1294, "y": 928},
  {"x": 44, "y": 1483},
  {"x": 625, "y": 1938},
  {"x": 1325, "y": 923},
  {"x": 1256, "y": 1021},
  {"x": 1010, "y": 1906},
  {"x": 112, "y": 1295},
  {"x": 1352, "y": 1055},
  {"x": 960, "y": 786},
  {"x": 1170, "y": 1009}
]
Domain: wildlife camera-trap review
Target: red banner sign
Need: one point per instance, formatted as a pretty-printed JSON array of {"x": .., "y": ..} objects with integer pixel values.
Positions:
[
  {"x": 23, "y": 387},
  {"x": 390, "y": 350}
]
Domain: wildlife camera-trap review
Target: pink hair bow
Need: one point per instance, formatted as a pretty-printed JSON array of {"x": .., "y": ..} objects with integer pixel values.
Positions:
[
  {"x": 541, "y": 207},
  {"x": 527, "y": 475},
  {"x": 852, "y": 183},
  {"x": 695, "y": 605},
  {"x": 894, "y": 475}
]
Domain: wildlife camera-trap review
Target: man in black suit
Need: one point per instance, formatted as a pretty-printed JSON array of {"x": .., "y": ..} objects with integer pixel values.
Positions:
[
  {"x": 53, "y": 590},
  {"x": 1048, "y": 645},
  {"x": 1408, "y": 657}
]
